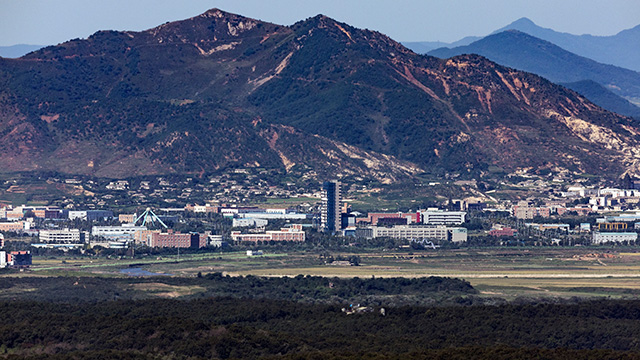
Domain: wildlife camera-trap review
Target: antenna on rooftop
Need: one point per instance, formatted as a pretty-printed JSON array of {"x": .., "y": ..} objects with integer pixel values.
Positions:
[{"x": 150, "y": 216}]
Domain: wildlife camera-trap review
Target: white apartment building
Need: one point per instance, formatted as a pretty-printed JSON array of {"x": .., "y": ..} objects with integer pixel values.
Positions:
[
  {"x": 441, "y": 217},
  {"x": 66, "y": 236},
  {"x": 457, "y": 234},
  {"x": 90, "y": 215},
  {"x": 249, "y": 222},
  {"x": 124, "y": 232}
]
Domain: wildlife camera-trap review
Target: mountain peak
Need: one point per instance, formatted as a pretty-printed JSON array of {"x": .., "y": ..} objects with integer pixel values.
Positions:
[
  {"x": 215, "y": 12},
  {"x": 522, "y": 21},
  {"x": 320, "y": 20},
  {"x": 523, "y": 24}
]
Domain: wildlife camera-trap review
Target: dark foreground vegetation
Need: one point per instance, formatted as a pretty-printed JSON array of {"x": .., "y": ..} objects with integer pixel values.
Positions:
[
  {"x": 275, "y": 329},
  {"x": 306, "y": 289}
]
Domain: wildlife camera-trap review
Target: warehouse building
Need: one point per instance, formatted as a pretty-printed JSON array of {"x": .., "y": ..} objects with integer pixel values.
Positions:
[{"x": 617, "y": 237}]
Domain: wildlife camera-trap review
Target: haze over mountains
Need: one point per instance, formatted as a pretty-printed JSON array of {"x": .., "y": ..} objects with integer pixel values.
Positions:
[
  {"x": 622, "y": 49},
  {"x": 220, "y": 90},
  {"x": 16, "y": 51}
]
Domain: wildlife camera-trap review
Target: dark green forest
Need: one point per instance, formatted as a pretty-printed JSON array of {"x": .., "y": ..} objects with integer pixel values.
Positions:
[
  {"x": 276, "y": 329},
  {"x": 305, "y": 289}
]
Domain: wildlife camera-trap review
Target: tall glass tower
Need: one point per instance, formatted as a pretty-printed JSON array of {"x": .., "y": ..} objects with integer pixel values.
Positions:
[{"x": 330, "y": 218}]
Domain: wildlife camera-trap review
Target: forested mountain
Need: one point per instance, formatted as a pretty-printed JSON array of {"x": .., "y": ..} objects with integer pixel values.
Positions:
[{"x": 220, "y": 90}]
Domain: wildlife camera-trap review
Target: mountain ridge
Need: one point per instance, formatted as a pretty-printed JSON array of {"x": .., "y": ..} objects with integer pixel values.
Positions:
[
  {"x": 220, "y": 90},
  {"x": 525, "y": 52}
]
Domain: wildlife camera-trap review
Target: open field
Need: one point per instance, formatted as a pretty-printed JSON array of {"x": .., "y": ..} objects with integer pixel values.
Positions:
[
  {"x": 496, "y": 272},
  {"x": 286, "y": 203}
]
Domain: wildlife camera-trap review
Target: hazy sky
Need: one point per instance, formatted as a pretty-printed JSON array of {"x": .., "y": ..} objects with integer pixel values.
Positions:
[{"x": 49, "y": 22}]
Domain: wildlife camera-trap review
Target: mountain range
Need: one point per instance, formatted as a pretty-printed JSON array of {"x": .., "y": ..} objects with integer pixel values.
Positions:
[
  {"x": 220, "y": 90},
  {"x": 16, "y": 51},
  {"x": 622, "y": 49},
  {"x": 525, "y": 52}
]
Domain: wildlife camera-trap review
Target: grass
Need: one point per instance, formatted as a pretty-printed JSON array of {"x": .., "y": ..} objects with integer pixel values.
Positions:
[
  {"x": 501, "y": 272},
  {"x": 40, "y": 264},
  {"x": 289, "y": 202}
]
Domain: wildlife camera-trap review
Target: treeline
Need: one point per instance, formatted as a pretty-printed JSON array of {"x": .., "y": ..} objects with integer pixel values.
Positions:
[
  {"x": 250, "y": 328},
  {"x": 320, "y": 289},
  {"x": 307, "y": 289}
]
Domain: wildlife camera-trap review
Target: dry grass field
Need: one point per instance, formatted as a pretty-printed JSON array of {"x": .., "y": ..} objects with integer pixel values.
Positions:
[{"x": 498, "y": 272}]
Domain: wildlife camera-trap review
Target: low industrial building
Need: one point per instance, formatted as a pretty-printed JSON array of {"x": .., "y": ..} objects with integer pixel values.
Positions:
[
  {"x": 543, "y": 227},
  {"x": 615, "y": 226},
  {"x": 249, "y": 222},
  {"x": 62, "y": 236},
  {"x": 90, "y": 215},
  {"x": 272, "y": 215},
  {"x": 500, "y": 230},
  {"x": 624, "y": 217},
  {"x": 441, "y": 217},
  {"x": 127, "y": 218},
  {"x": 617, "y": 237},
  {"x": 15, "y": 226},
  {"x": 216, "y": 241},
  {"x": 409, "y": 232},
  {"x": 293, "y": 233},
  {"x": 116, "y": 233},
  {"x": 174, "y": 240},
  {"x": 19, "y": 259},
  {"x": 374, "y": 218}
]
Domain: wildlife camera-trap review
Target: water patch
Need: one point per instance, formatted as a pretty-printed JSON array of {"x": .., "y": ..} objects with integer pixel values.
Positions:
[{"x": 141, "y": 272}]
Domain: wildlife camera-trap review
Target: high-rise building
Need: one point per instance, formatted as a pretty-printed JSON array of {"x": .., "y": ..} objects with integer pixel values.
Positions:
[{"x": 331, "y": 209}]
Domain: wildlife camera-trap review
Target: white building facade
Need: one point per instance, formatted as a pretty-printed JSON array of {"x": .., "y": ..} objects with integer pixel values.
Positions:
[
  {"x": 124, "y": 232},
  {"x": 601, "y": 237},
  {"x": 441, "y": 217},
  {"x": 62, "y": 236},
  {"x": 454, "y": 234}
]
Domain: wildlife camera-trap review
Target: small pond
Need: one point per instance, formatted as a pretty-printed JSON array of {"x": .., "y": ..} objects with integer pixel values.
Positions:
[{"x": 141, "y": 272}]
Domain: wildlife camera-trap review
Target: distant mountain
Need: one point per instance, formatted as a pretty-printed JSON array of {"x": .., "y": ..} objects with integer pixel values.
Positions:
[
  {"x": 524, "y": 52},
  {"x": 604, "y": 98},
  {"x": 219, "y": 91},
  {"x": 16, "y": 51},
  {"x": 423, "y": 47},
  {"x": 622, "y": 49}
]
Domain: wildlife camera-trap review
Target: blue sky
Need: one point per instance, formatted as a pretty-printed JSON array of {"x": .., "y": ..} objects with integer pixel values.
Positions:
[{"x": 48, "y": 22}]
